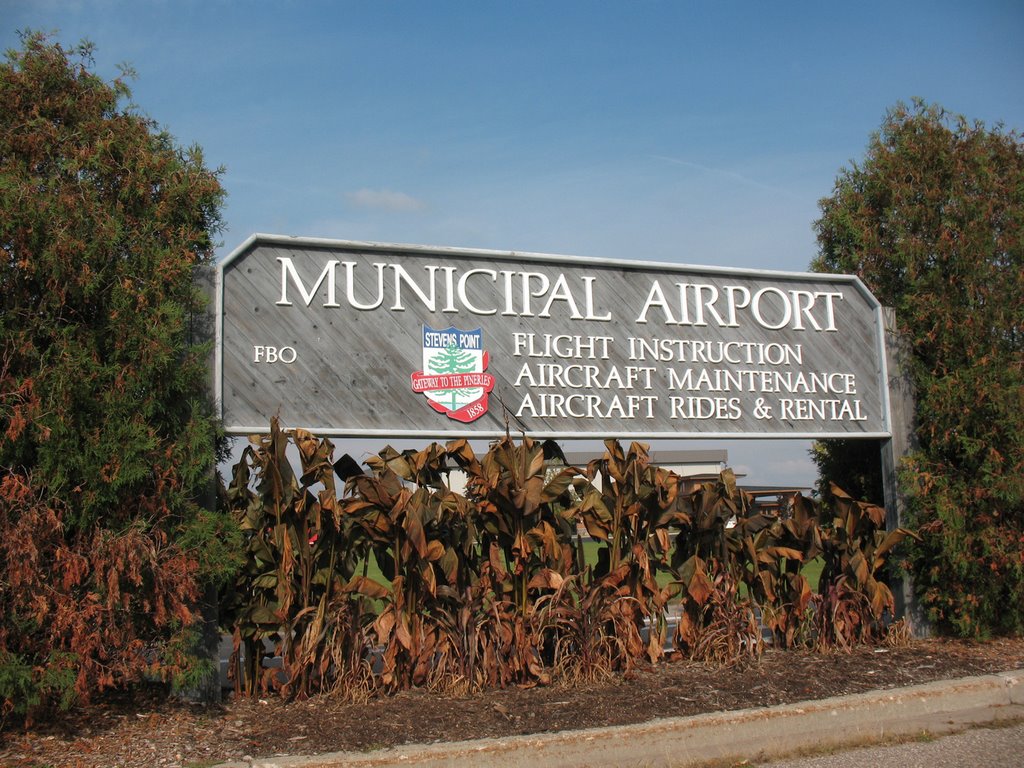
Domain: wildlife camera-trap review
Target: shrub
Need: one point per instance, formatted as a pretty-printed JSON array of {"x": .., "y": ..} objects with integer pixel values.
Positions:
[{"x": 106, "y": 436}]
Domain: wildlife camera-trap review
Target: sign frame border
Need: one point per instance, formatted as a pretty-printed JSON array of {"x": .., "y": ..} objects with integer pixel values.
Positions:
[{"x": 547, "y": 258}]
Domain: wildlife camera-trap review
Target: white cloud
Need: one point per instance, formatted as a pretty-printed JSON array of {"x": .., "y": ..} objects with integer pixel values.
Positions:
[{"x": 384, "y": 199}]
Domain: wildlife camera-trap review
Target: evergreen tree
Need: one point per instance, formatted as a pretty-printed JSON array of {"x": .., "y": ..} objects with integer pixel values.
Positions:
[
  {"x": 933, "y": 221},
  {"x": 107, "y": 438}
]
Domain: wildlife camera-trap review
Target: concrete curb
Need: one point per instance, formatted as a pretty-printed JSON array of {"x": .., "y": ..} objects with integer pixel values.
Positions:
[{"x": 763, "y": 733}]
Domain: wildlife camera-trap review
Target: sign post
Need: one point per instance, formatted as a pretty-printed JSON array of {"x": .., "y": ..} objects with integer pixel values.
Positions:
[{"x": 900, "y": 444}]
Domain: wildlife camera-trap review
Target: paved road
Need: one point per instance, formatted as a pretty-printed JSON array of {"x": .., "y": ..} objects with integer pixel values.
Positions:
[{"x": 998, "y": 747}]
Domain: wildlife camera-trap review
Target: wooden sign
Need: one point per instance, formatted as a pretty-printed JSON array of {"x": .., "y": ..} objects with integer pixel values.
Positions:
[{"x": 350, "y": 338}]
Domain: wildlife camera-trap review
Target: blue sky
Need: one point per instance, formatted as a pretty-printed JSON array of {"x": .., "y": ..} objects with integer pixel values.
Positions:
[{"x": 691, "y": 132}]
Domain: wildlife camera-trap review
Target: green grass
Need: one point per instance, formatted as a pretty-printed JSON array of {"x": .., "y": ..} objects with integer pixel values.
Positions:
[
  {"x": 373, "y": 571},
  {"x": 812, "y": 572}
]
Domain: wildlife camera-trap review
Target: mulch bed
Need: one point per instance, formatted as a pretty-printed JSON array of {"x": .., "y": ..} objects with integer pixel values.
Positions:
[{"x": 146, "y": 729}]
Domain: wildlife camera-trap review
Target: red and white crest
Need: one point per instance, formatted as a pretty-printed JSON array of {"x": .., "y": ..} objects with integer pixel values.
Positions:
[{"x": 454, "y": 378}]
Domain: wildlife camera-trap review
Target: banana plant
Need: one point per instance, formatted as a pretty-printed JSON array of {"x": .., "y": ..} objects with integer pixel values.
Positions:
[
  {"x": 631, "y": 513},
  {"x": 293, "y": 542},
  {"x": 716, "y": 624},
  {"x": 522, "y": 511},
  {"x": 771, "y": 558},
  {"x": 712, "y": 511},
  {"x": 854, "y": 598},
  {"x": 486, "y": 588},
  {"x": 705, "y": 566},
  {"x": 417, "y": 529}
]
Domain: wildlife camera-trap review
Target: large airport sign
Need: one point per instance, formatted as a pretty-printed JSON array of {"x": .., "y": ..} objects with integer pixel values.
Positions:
[{"x": 352, "y": 338}]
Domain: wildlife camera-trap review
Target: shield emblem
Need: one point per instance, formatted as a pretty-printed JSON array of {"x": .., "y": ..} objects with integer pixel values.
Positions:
[{"x": 453, "y": 378}]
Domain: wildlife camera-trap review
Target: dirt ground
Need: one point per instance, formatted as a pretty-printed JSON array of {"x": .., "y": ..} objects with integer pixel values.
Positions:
[{"x": 147, "y": 730}]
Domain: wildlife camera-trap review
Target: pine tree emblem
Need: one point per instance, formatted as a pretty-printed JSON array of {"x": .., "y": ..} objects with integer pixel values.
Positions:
[{"x": 452, "y": 360}]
